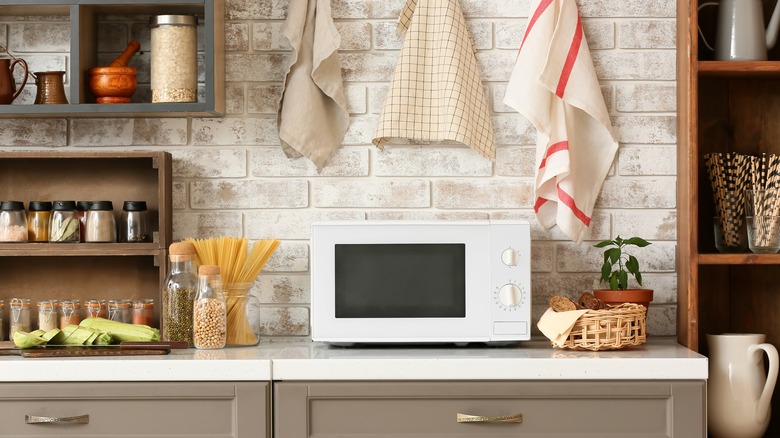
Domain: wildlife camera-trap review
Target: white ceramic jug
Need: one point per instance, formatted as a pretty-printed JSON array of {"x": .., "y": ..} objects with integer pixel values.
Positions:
[
  {"x": 738, "y": 391},
  {"x": 740, "y": 30}
]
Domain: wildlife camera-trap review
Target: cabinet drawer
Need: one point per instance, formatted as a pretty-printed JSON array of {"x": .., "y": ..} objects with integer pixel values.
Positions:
[
  {"x": 410, "y": 409},
  {"x": 215, "y": 410}
]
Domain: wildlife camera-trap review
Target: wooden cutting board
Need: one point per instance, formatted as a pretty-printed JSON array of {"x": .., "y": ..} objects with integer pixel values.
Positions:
[{"x": 89, "y": 351}]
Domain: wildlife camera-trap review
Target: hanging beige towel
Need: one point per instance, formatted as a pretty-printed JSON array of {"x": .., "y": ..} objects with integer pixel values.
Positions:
[
  {"x": 312, "y": 116},
  {"x": 554, "y": 85},
  {"x": 436, "y": 93}
]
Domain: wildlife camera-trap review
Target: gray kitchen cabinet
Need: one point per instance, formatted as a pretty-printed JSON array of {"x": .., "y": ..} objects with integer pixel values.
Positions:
[
  {"x": 169, "y": 409},
  {"x": 548, "y": 409},
  {"x": 84, "y": 16}
]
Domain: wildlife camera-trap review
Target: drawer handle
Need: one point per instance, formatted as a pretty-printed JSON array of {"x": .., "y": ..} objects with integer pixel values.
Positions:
[
  {"x": 78, "y": 419},
  {"x": 466, "y": 418}
]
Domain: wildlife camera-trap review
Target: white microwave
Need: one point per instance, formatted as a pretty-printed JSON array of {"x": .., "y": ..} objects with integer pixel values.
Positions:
[{"x": 420, "y": 282}]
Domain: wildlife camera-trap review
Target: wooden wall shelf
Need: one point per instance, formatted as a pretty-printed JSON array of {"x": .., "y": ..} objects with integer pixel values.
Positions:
[
  {"x": 84, "y": 16},
  {"x": 735, "y": 69}
]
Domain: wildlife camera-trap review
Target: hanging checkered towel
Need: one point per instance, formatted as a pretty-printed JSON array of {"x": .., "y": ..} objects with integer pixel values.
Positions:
[
  {"x": 436, "y": 93},
  {"x": 312, "y": 114},
  {"x": 555, "y": 87}
]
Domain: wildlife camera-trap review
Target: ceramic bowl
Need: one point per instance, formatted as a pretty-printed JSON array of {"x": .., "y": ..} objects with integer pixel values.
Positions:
[{"x": 112, "y": 84}]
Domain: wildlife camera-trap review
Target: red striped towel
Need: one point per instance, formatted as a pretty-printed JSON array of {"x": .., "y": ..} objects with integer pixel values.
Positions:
[{"x": 554, "y": 85}]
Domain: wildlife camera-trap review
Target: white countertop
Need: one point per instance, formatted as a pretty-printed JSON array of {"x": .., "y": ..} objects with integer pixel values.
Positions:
[{"x": 660, "y": 358}]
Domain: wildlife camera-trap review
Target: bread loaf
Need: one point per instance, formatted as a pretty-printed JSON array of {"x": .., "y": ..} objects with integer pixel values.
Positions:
[
  {"x": 588, "y": 301},
  {"x": 562, "y": 304}
]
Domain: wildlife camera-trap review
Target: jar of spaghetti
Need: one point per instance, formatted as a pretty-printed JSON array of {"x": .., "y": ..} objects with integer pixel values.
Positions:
[
  {"x": 174, "y": 58},
  {"x": 38, "y": 217},
  {"x": 95, "y": 308},
  {"x": 47, "y": 315},
  {"x": 70, "y": 313},
  {"x": 20, "y": 316},
  {"x": 120, "y": 310},
  {"x": 143, "y": 312},
  {"x": 13, "y": 222}
]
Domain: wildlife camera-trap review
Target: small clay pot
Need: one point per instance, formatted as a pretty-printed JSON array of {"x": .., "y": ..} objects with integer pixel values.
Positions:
[{"x": 112, "y": 84}]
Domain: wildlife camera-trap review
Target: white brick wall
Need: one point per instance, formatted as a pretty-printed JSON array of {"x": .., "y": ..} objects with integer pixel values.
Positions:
[{"x": 231, "y": 177}]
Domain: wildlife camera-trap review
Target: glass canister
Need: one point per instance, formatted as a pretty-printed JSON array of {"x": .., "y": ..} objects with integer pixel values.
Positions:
[
  {"x": 64, "y": 225},
  {"x": 243, "y": 321},
  {"x": 81, "y": 213},
  {"x": 95, "y": 308},
  {"x": 13, "y": 222},
  {"x": 120, "y": 310},
  {"x": 47, "y": 315},
  {"x": 178, "y": 293},
  {"x": 20, "y": 316},
  {"x": 38, "y": 218},
  {"x": 70, "y": 313},
  {"x": 143, "y": 312},
  {"x": 174, "y": 58},
  {"x": 134, "y": 226},
  {"x": 209, "y": 320},
  {"x": 101, "y": 225}
]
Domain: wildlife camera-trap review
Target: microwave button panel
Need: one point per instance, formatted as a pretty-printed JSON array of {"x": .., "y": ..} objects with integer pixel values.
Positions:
[{"x": 510, "y": 257}]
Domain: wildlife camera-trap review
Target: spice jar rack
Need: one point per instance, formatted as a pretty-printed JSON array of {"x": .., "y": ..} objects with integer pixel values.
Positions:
[
  {"x": 84, "y": 16},
  {"x": 88, "y": 270}
]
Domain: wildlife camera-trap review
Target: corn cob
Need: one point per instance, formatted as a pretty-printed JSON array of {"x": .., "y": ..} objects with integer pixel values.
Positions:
[{"x": 121, "y": 331}]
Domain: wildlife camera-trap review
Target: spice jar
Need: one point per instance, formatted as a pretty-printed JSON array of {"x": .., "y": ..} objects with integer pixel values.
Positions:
[
  {"x": 95, "y": 308},
  {"x": 81, "y": 213},
  {"x": 143, "y": 312},
  {"x": 47, "y": 315},
  {"x": 101, "y": 225},
  {"x": 20, "y": 316},
  {"x": 64, "y": 226},
  {"x": 70, "y": 313},
  {"x": 2, "y": 325},
  {"x": 178, "y": 294},
  {"x": 38, "y": 217},
  {"x": 13, "y": 222},
  {"x": 209, "y": 329},
  {"x": 120, "y": 310},
  {"x": 174, "y": 58},
  {"x": 134, "y": 226}
]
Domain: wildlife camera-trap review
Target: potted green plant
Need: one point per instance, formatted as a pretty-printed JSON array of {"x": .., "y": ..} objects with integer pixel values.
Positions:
[{"x": 616, "y": 269}]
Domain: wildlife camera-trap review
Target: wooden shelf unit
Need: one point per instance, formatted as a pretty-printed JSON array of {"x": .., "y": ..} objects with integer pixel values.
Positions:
[
  {"x": 88, "y": 270},
  {"x": 723, "y": 106},
  {"x": 83, "y": 16}
]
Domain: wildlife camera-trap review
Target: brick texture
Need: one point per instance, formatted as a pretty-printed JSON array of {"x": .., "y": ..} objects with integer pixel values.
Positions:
[{"x": 231, "y": 177}]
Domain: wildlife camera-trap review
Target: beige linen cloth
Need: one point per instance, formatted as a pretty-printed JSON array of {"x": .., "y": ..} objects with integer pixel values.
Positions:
[
  {"x": 557, "y": 325},
  {"x": 436, "y": 93},
  {"x": 312, "y": 115},
  {"x": 554, "y": 85}
]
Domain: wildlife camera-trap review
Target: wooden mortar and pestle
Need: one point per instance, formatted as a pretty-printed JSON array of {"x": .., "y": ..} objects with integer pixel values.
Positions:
[{"x": 115, "y": 83}]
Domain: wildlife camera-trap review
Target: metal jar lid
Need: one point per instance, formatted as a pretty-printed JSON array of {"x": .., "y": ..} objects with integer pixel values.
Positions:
[{"x": 173, "y": 20}]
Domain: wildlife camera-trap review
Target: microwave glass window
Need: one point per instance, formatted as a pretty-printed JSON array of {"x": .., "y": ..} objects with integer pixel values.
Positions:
[{"x": 400, "y": 280}]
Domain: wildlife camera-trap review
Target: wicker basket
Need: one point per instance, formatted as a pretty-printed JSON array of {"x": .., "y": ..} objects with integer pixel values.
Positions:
[{"x": 609, "y": 329}]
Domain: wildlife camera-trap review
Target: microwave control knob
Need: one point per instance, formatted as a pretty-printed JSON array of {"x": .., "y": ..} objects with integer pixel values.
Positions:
[
  {"x": 510, "y": 257},
  {"x": 510, "y": 295}
]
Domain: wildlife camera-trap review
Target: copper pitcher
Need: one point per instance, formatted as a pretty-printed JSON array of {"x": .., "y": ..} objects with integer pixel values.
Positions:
[{"x": 8, "y": 91}]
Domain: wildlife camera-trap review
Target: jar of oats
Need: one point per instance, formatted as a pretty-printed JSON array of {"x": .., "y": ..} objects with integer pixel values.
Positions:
[
  {"x": 174, "y": 63},
  {"x": 209, "y": 318}
]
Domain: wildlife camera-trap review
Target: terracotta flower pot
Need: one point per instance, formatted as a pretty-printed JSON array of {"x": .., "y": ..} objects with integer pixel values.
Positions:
[{"x": 615, "y": 297}]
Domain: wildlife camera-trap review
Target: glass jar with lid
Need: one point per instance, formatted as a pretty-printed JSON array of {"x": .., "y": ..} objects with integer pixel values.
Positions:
[
  {"x": 120, "y": 310},
  {"x": 38, "y": 218},
  {"x": 143, "y": 312},
  {"x": 134, "y": 226},
  {"x": 13, "y": 222},
  {"x": 174, "y": 58},
  {"x": 95, "y": 308},
  {"x": 101, "y": 225},
  {"x": 64, "y": 225},
  {"x": 178, "y": 293},
  {"x": 70, "y": 313},
  {"x": 209, "y": 328},
  {"x": 47, "y": 315},
  {"x": 20, "y": 316},
  {"x": 81, "y": 213}
]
